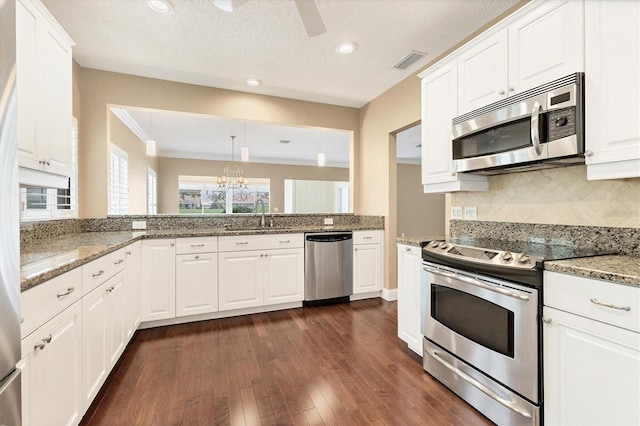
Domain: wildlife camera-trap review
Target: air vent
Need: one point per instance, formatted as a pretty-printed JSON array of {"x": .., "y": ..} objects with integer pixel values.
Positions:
[
  {"x": 284, "y": 141},
  {"x": 409, "y": 59}
]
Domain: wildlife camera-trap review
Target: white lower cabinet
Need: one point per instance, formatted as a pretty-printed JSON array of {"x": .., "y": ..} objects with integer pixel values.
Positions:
[
  {"x": 591, "y": 352},
  {"x": 240, "y": 284},
  {"x": 409, "y": 269},
  {"x": 196, "y": 284},
  {"x": 283, "y": 276},
  {"x": 158, "y": 279},
  {"x": 133, "y": 281},
  {"x": 51, "y": 367},
  {"x": 367, "y": 261},
  {"x": 103, "y": 331}
]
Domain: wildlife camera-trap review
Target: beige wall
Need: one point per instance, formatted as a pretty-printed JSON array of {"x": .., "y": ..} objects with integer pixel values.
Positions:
[
  {"x": 418, "y": 213},
  {"x": 170, "y": 168},
  {"x": 98, "y": 89},
  {"x": 123, "y": 137},
  {"x": 561, "y": 196}
]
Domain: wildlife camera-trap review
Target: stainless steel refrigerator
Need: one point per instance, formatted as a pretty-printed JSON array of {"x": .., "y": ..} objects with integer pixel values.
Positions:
[{"x": 10, "y": 401}]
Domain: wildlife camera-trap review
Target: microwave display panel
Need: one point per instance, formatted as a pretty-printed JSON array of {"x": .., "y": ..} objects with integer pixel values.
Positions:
[{"x": 504, "y": 138}]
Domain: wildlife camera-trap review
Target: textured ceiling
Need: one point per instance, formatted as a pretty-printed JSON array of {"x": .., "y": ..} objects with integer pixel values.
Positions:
[{"x": 203, "y": 45}]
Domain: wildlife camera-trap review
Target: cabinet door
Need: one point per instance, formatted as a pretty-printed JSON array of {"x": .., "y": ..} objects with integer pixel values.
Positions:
[
  {"x": 612, "y": 38},
  {"x": 196, "y": 284},
  {"x": 133, "y": 277},
  {"x": 591, "y": 371},
  {"x": 482, "y": 73},
  {"x": 409, "y": 268},
  {"x": 116, "y": 317},
  {"x": 240, "y": 279},
  {"x": 546, "y": 43},
  {"x": 95, "y": 357},
  {"x": 27, "y": 85},
  {"x": 52, "y": 371},
  {"x": 367, "y": 268},
  {"x": 158, "y": 279},
  {"x": 283, "y": 276}
]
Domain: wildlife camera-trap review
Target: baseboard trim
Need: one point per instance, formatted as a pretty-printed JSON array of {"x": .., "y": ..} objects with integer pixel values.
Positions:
[{"x": 390, "y": 294}]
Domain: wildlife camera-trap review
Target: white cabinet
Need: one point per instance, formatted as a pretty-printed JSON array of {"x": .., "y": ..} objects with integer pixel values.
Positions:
[
  {"x": 158, "y": 279},
  {"x": 612, "y": 43},
  {"x": 51, "y": 367},
  {"x": 409, "y": 269},
  {"x": 133, "y": 290},
  {"x": 196, "y": 284},
  {"x": 543, "y": 42},
  {"x": 367, "y": 261},
  {"x": 44, "y": 87},
  {"x": 103, "y": 330},
  {"x": 273, "y": 274},
  {"x": 591, "y": 351},
  {"x": 439, "y": 107}
]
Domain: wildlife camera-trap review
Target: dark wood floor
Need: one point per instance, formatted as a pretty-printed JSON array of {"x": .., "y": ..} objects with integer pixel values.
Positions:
[{"x": 339, "y": 364}]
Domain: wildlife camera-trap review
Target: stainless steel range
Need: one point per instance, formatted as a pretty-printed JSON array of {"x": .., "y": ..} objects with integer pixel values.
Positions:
[{"x": 481, "y": 310}]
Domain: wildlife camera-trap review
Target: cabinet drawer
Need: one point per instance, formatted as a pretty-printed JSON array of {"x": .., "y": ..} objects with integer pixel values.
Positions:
[
  {"x": 100, "y": 270},
  {"x": 196, "y": 245},
  {"x": 416, "y": 251},
  {"x": 260, "y": 242},
  {"x": 589, "y": 298},
  {"x": 45, "y": 301},
  {"x": 367, "y": 237}
]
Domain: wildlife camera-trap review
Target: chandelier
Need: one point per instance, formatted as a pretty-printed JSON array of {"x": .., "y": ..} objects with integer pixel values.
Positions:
[{"x": 232, "y": 180}]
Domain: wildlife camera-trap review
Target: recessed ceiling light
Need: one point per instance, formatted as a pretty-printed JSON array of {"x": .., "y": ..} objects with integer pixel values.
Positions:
[
  {"x": 346, "y": 48},
  {"x": 254, "y": 82},
  {"x": 164, "y": 7}
]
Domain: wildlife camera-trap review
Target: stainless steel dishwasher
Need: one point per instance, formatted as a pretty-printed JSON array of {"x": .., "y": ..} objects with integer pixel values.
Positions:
[{"x": 328, "y": 267}]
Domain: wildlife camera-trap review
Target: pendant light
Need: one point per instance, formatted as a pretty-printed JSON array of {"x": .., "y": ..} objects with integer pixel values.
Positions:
[
  {"x": 321, "y": 159},
  {"x": 232, "y": 179}
]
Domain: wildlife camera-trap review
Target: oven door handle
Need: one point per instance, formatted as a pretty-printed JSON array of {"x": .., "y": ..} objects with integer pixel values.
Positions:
[
  {"x": 510, "y": 404},
  {"x": 476, "y": 283}
]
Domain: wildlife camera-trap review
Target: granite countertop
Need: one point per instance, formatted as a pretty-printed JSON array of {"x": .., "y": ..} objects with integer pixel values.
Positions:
[
  {"x": 418, "y": 240},
  {"x": 615, "y": 268},
  {"x": 49, "y": 258}
]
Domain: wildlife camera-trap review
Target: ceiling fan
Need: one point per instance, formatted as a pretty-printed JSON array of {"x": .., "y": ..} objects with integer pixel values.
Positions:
[{"x": 307, "y": 9}]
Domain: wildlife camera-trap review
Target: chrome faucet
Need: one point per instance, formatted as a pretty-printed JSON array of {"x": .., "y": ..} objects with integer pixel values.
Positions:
[{"x": 259, "y": 201}]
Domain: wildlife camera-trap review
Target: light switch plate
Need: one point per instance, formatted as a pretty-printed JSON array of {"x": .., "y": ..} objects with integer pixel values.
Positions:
[
  {"x": 471, "y": 213},
  {"x": 456, "y": 212},
  {"x": 328, "y": 221},
  {"x": 139, "y": 224}
]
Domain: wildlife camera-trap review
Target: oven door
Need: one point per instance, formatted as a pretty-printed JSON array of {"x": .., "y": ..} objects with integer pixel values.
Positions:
[{"x": 488, "y": 323}]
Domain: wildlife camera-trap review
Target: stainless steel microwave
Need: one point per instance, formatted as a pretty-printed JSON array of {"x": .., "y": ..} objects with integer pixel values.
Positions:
[{"x": 539, "y": 128}]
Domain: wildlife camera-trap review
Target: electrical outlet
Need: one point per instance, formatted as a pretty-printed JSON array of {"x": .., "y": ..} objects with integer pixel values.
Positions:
[
  {"x": 276, "y": 210},
  {"x": 456, "y": 212},
  {"x": 139, "y": 224},
  {"x": 471, "y": 213},
  {"x": 328, "y": 221}
]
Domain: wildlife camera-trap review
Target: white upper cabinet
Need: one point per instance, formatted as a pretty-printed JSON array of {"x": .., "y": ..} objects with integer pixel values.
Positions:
[
  {"x": 612, "y": 73},
  {"x": 543, "y": 42},
  {"x": 44, "y": 87},
  {"x": 439, "y": 106}
]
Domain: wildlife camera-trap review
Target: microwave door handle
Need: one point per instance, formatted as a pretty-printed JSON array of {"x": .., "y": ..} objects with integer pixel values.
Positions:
[{"x": 535, "y": 127}]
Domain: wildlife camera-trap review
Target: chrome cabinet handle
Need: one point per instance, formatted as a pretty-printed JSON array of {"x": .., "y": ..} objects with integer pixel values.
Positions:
[
  {"x": 97, "y": 274},
  {"x": 69, "y": 291},
  {"x": 501, "y": 92},
  {"x": 40, "y": 345},
  {"x": 48, "y": 339},
  {"x": 408, "y": 248},
  {"x": 367, "y": 238},
  {"x": 535, "y": 127},
  {"x": 285, "y": 242},
  {"x": 547, "y": 320},
  {"x": 476, "y": 283},
  {"x": 119, "y": 261},
  {"x": 512, "y": 89},
  {"x": 129, "y": 253},
  {"x": 610, "y": 305},
  {"x": 110, "y": 289},
  {"x": 197, "y": 245},
  {"x": 242, "y": 243},
  {"x": 197, "y": 257},
  {"x": 510, "y": 404},
  {"x": 172, "y": 244},
  {"x": 266, "y": 255},
  {"x": 588, "y": 153}
]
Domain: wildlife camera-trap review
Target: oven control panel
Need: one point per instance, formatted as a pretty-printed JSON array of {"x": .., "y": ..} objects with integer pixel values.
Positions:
[{"x": 481, "y": 255}]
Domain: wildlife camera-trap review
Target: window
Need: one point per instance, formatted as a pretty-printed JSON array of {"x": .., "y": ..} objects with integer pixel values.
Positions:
[
  {"x": 152, "y": 192},
  {"x": 51, "y": 203},
  {"x": 200, "y": 195},
  {"x": 118, "y": 181}
]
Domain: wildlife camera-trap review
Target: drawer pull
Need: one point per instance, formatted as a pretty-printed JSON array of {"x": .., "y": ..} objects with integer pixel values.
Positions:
[
  {"x": 285, "y": 242},
  {"x": 40, "y": 345},
  {"x": 367, "y": 238},
  {"x": 610, "y": 305},
  {"x": 408, "y": 248},
  {"x": 119, "y": 261},
  {"x": 197, "y": 257},
  {"x": 242, "y": 243},
  {"x": 129, "y": 253},
  {"x": 110, "y": 289},
  {"x": 47, "y": 339},
  {"x": 197, "y": 245},
  {"x": 69, "y": 291},
  {"x": 97, "y": 274}
]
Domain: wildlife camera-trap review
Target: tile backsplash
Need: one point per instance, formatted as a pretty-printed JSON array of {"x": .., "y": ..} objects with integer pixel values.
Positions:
[{"x": 561, "y": 196}]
